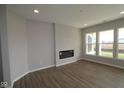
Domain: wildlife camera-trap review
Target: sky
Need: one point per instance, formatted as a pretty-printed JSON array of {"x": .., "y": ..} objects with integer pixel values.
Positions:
[
  {"x": 106, "y": 36},
  {"x": 121, "y": 35}
]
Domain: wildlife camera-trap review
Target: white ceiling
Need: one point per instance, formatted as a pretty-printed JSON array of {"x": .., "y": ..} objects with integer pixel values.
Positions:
[{"x": 73, "y": 15}]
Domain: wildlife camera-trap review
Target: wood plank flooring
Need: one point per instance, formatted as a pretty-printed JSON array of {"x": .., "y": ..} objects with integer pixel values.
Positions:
[{"x": 81, "y": 74}]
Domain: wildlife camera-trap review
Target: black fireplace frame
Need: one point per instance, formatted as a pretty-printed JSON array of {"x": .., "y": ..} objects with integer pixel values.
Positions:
[{"x": 66, "y": 54}]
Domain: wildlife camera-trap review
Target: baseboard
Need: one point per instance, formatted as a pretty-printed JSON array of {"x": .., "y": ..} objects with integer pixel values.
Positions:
[
  {"x": 41, "y": 68},
  {"x": 18, "y": 78},
  {"x": 28, "y": 73},
  {"x": 95, "y": 61},
  {"x": 66, "y": 63}
]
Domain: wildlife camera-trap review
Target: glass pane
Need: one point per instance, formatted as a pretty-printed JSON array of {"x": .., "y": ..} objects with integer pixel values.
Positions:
[
  {"x": 121, "y": 51},
  {"x": 91, "y": 38},
  {"x": 91, "y": 49},
  {"x": 106, "y": 50},
  {"x": 121, "y": 35},
  {"x": 106, "y": 36},
  {"x": 121, "y": 43}
]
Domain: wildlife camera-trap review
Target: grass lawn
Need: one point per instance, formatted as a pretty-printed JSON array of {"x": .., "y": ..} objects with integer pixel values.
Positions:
[
  {"x": 121, "y": 55},
  {"x": 109, "y": 54}
]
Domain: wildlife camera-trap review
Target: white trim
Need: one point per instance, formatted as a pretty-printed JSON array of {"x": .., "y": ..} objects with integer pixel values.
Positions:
[
  {"x": 28, "y": 73},
  {"x": 41, "y": 68},
  {"x": 95, "y": 61},
  {"x": 115, "y": 43},
  {"x": 57, "y": 65},
  {"x": 105, "y": 57},
  {"x": 18, "y": 78}
]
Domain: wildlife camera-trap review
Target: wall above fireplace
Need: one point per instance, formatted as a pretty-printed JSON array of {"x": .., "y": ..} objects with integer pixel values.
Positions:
[{"x": 67, "y": 44}]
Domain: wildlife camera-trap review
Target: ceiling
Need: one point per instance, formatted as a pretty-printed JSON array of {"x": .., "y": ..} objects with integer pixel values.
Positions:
[{"x": 73, "y": 15}]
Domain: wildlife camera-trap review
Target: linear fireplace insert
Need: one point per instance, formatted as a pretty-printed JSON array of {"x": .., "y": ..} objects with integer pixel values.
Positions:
[{"x": 66, "y": 54}]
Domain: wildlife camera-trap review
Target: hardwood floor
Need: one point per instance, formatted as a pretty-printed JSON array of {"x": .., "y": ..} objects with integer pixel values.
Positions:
[{"x": 81, "y": 74}]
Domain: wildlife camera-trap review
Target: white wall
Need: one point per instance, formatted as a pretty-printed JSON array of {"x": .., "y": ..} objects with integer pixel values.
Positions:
[
  {"x": 29, "y": 45},
  {"x": 17, "y": 45},
  {"x": 4, "y": 44},
  {"x": 40, "y": 44},
  {"x": 67, "y": 38},
  {"x": 101, "y": 27}
]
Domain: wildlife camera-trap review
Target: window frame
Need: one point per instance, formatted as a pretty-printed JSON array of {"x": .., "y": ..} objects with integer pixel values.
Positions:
[
  {"x": 90, "y": 43},
  {"x": 117, "y": 43},
  {"x": 99, "y": 43}
]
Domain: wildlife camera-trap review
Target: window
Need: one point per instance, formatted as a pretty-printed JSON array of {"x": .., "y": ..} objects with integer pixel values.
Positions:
[
  {"x": 106, "y": 40},
  {"x": 121, "y": 43},
  {"x": 105, "y": 43},
  {"x": 91, "y": 43}
]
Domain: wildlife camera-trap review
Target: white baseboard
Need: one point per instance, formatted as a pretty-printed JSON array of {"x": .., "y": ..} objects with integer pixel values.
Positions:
[
  {"x": 41, "y": 68},
  {"x": 61, "y": 65},
  {"x": 28, "y": 73},
  {"x": 66, "y": 63},
  {"x": 18, "y": 78},
  {"x": 95, "y": 61}
]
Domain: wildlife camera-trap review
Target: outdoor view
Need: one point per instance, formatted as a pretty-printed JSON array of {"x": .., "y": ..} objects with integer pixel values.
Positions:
[
  {"x": 106, "y": 41},
  {"x": 91, "y": 43},
  {"x": 121, "y": 43}
]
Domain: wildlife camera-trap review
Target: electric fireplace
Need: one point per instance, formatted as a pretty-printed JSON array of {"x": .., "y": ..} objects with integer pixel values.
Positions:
[{"x": 66, "y": 54}]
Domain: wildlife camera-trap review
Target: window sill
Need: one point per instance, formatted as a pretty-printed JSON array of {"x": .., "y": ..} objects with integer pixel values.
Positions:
[{"x": 105, "y": 57}]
